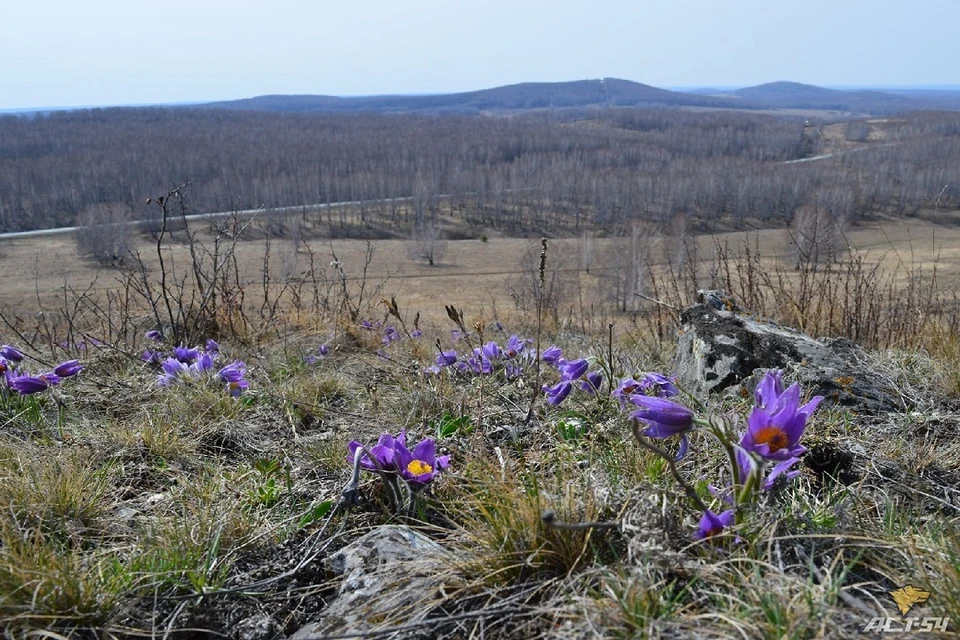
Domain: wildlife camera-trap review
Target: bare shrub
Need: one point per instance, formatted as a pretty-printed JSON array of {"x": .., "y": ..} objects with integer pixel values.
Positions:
[
  {"x": 427, "y": 240},
  {"x": 104, "y": 233}
]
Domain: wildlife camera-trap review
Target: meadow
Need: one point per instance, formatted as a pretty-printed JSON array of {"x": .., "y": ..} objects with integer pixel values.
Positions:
[{"x": 184, "y": 494}]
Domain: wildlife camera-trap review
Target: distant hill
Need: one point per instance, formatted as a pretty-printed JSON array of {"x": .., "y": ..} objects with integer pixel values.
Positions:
[
  {"x": 528, "y": 95},
  {"x": 611, "y": 92}
]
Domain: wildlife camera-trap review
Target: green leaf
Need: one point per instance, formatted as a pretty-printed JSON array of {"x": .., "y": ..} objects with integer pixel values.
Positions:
[{"x": 317, "y": 513}]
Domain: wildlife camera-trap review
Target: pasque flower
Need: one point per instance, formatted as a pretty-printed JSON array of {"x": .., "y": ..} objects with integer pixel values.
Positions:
[
  {"x": 28, "y": 385},
  {"x": 777, "y": 422},
  {"x": 10, "y": 353},
  {"x": 712, "y": 524},
  {"x": 552, "y": 354},
  {"x": 421, "y": 465},
  {"x": 558, "y": 392},
  {"x": 664, "y": 419},
  {"x": 384, "y": 452},
  {"x": 68, "y": 369},
  {"x": 233, "y": 374},
  {"x": 659, "y": 384}
]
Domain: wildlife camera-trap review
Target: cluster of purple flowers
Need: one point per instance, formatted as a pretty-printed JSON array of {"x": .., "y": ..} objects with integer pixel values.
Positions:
[
  {"x": 511, "y": 358},
  {"x": 27, "y": 384},
  {"x": 418, "y": 467},
  {"x": 572, "y": 373},
  {"x": 776, "y": 423},
  {"x": 195, "y": 363}
]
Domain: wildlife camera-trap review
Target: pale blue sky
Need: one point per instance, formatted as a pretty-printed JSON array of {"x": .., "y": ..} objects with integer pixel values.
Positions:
[{"x": 103, "y": 52}]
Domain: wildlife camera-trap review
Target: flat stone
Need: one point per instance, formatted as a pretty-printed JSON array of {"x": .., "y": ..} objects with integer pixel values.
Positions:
[{"x": 391, "y": 573}]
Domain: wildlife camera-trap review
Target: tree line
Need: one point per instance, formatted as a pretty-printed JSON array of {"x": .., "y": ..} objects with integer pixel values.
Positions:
[{"x": 551, "y": 171}]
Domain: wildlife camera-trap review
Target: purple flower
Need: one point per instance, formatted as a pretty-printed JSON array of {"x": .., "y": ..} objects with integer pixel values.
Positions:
[
  {"x": 514, "y": 346},
  {"x": 370, "y": 325},
  {"x": 416, "y": 333},
  {"x": 593, "y": 382},
  {"x": 574, "y": 370},
  {"x": 781, "y": 468},
  {"x": 68, "y": 369},
  {"x": 155, "y": 335},
  {"x": 626, "y": 388},
  {"x": 10, "y": 353},
  {"x": 769, "y": 389},
  {"x": 233, "y": 375},
  {"x": 173, "y": 369},
  {"x": 4, "y": 366},
  {"x": 558, "y": 392},
  {"x": 552, "y": 354},
  {"x": 212, "y": 346},
  {"x": 28, "y": 385},
  {"x": 384, "y": 452},
  {"x": 446, "y": 358},
  {"x": 390, "y": 334},
  {"x": 324, "y": 350},
  {"x": 774, "y": 430},
  {"x": 664, "y": 419},
  {"x": 712, "y": 524},
  {"x": 421, "y": 465},
  {"x": 184, "y": 354},
  {"x": 153, "y": 357},
  {"x": 203, "y": 363},
  {"x": 491, "y": 351},
  {"x": 512, "y": 370},
  {"x": 661, "y": 385},
  {"x": 456, "y": 335}
]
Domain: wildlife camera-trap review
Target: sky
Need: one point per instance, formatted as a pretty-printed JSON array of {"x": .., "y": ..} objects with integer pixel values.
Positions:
[{"x": 118, "y": 52}]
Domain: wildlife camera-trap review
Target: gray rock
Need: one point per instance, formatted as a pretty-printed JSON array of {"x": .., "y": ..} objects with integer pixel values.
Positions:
[
  {"x": 260, "y": 627},
  {"x": 391, "y": 573},
  {"x": 719, "y": 349}
]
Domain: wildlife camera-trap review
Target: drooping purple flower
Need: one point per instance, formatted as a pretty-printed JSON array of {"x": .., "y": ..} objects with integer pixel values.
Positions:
[
  {"x": 659, "y": 384},
  {"x": 28, "y": 385},
  {"x": 712, "y": 524},
  {"x": 446, "y": 358},
  {"x": 491, "y": 351},
  {"x": 574, "y": 369},
  {"x": 592, "y": 382},
  {"x": 664, "y": 419},
  {"x": 421, "y": 465},
  {"x": 552, "y": 354},
  {"x": 212, "y": 346},
  {"x": 384, "y": 452},
  {"x": 10, "y": 353},
  {"x": 186, "y": 354},
  {"x": 558, "y": 392},
  {"x": 773, "y": 432},
  {"x": 155, "y": 335},
  {"x": 68, "y": 369}
]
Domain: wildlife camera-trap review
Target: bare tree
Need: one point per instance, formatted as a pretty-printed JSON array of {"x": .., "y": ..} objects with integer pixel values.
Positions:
[
  {"x": 426, "y": 240},
  {"x": 104, "y": 233}
]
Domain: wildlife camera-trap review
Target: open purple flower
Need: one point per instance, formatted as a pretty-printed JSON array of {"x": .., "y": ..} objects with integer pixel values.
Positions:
[
  {"x": 421, "y": 465},
  {"x": 515, "y": 345},
  {"x": 773, "y": 432},
  {"x": 552, "y": 354},
  {"x": 68, "y": 369},
  {"x": 664, "y": 419},
  {"x": 712, "y": 524},
  {"x": 384, "y": 452},
  {"x": 10, "y": 353},
  {"x": 233, "y": 374},
  {"x": 173, "y": 370}
]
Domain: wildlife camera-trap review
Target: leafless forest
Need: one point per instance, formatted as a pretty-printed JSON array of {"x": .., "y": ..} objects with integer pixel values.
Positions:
[{"x": 546, "y": 172}]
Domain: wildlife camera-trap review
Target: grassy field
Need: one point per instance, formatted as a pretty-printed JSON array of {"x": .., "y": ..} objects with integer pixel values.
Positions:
[{"x": 131, "y": 509}]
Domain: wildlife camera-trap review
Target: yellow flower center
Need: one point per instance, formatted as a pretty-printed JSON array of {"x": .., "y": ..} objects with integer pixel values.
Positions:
[
  {"x": 774, "y": 437},
  {"x": 419, "y": 467}
]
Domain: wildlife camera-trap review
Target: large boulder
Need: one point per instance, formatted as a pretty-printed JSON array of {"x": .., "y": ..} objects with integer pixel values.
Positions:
[{"x": 719, "y": 349}]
